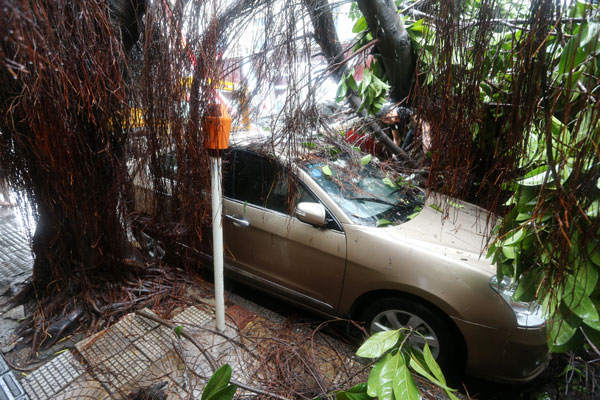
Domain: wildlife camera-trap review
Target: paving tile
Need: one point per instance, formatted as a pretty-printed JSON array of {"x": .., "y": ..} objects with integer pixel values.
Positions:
[
  {"x": 192, "y": 318},
  {"x": 156, "y": 343},
  {"x": 52, "y": 377},
  {"x": 103, "y": 345},
  {"x": 120, "y": 372},
  {"x": 132, "y": 326},
  {"x": 171, "y": 371},
  {"x": 84, "y": 387}
]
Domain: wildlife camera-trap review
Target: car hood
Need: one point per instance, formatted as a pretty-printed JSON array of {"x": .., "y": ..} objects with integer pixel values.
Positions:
[{"x": 451, "y": 228}]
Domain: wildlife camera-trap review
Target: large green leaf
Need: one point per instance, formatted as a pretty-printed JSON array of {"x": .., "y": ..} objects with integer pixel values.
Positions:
[
  {"x": 225, "y": 393},
  {"x": 589, "y": 34},
  {"x": 574, "y": 297},
  {"x": 527, "y": 286},
  {"x": 560, "y": 332},
  {"x": 514, "y": 237},
  {"x": 357, "y": 392},
  {"x": 433, "y": 365},
  {"x": 593, "y": 248},
  {"x": 378, "y": 344},
  {"x": 360, "y": 25},
  {"x": 217, "y": 387},
  {"x": 380, "y": 381},
  {"x": 571, "y": 57},
  {"x": 403, "y": 383},
  {"x": 535, "y": 177},
  {"x": 341, "y": 91}
]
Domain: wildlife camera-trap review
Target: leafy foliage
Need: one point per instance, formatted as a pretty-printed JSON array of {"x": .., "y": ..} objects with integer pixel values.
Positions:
[
  {"x": 390, "y": 378},
  {"x": 218, "y": 386},
  {"x": 511, "y": 92}
]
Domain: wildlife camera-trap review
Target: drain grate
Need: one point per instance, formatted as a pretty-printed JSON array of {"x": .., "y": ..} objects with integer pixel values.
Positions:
[{"x": 10, "y": 389}]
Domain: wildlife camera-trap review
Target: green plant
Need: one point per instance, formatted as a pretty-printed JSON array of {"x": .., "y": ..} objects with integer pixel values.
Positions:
[
  {"x": 390, "y": 378},
  {"x": 218, "y": 386}
]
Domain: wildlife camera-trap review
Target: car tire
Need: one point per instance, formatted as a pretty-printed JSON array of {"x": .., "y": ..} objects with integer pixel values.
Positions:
[{"x": 395, "y": 313}]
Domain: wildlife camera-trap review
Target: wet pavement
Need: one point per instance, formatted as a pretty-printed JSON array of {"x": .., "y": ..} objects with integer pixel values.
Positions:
[
  {"x": 15, "y": 253},
  {"x": 16, "y": 264},
  {"x": 137, "y": 352}
]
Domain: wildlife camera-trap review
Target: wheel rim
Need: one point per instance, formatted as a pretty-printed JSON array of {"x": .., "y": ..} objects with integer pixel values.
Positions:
[{"x": 396, "y": 319}]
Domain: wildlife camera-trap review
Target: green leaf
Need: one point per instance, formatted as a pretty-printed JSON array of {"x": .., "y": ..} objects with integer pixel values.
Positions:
[
  {"x": 365, "y": 160},
  {"x": 514, "y": 237},
  {"x": 390, "y": 379},
  {"x": 225, "y": 393},
  {"x": 326, "y": 170},
  {"x": 593, "y": 211},
  {"x": 593, "y": 248},
  {"x": 588, "y": 278},
  {"x": 527, "y": 286},
  {"x": 178, "y": 329},
  {"x": 592, "y": 324},
  {"x": 341, "y": 91},
  {"x": 453, "y": 204},
  {"x": 378, "y": 344},
  {"x": 571, "y": 57},
  {"x": 589, "y": 33},
  {"x": 413, "y": 215},
  {"x": 535, "y": 177},
  {"x": 389, "y": 182},
  {"x": 574, "y": 294},
  {"x": 560, "y": 332},
  {"x": 245, "y": 205},
  {"x": 382, "y": 222},
  {"x": 360, "y": 25},
  {"x": 433, "y": 365},
  {"x": 417, "y": 362},
  {"x": 215, "y": 386},
  {"x": 436, "y": 208},
  {"x": 366, "y": 79},
  {"x": 357, "y": 392},
  {"x": 403, "y": 383},
  {"x": 378, "y": 380}
]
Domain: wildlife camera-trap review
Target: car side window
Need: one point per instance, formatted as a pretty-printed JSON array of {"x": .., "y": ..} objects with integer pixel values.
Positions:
[{"x": 259, "y": 181}]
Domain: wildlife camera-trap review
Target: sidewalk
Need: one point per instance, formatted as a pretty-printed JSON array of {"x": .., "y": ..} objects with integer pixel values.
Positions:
[
  {"x": 138, "y": 353},
  {"x": 16, "y": 265}
]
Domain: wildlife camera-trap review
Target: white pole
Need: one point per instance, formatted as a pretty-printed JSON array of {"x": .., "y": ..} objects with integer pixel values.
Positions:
[{"x": 217, "y": 221}]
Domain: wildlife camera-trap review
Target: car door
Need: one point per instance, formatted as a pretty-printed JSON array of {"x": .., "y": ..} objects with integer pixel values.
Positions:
[{"x": 263, "y": 242}]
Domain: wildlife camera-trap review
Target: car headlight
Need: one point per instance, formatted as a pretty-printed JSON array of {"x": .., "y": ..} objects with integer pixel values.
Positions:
[{"x": 529, "y": 315}]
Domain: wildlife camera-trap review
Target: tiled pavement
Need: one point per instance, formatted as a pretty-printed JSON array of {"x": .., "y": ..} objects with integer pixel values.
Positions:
[
  {"x": 15, "y": 253},
  {"x": 133, "y": 353},
  {"x": 136, "y": 353},
  {"x": 15, "y": 266}
]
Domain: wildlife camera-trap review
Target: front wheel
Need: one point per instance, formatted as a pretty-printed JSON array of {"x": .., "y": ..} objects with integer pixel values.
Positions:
[{"x": 428, "y": 326}]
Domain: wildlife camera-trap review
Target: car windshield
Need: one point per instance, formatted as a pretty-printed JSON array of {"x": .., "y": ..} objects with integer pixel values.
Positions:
[{"x": 366, "y": 194}]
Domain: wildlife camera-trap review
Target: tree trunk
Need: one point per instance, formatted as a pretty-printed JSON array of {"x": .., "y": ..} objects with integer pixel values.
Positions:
[
  {"x": 327, "y": 38},
  {"x": 393, "y": 43}
]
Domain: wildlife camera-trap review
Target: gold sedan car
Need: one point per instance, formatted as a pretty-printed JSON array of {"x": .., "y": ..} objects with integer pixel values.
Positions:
[{"x": 343, "y": 240}]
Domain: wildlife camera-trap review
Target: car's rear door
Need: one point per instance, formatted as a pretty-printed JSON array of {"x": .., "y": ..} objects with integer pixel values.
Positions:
[{"x": 264, "y": 243}]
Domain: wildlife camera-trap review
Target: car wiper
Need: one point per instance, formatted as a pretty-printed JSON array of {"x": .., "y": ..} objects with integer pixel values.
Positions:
[{"x": 373, "y": 199}]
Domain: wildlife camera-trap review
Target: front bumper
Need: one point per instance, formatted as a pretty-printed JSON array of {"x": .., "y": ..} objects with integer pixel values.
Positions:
[{"x": 510, "y": 357}]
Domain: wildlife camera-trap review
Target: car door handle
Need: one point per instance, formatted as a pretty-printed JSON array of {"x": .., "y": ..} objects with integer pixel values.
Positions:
[{"x": 238, "y": 220}]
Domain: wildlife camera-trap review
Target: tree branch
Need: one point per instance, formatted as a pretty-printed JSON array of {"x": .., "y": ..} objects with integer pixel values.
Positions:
[{"x": 327, "y": 38}]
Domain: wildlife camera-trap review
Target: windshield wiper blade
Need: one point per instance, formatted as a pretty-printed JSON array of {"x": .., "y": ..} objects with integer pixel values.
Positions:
[{"x": 373, "y": 199}]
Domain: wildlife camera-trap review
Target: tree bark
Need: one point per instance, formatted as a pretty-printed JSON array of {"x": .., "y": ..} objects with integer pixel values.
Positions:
[
  {"x": 327, "y": 38},
  {"x": 394, "y": 44}
]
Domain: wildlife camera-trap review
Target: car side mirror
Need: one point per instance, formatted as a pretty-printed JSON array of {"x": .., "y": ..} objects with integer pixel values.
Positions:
[{"x": 311, "y": 213}]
